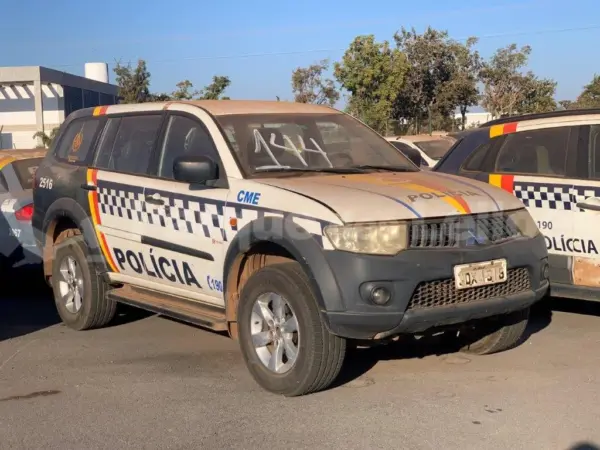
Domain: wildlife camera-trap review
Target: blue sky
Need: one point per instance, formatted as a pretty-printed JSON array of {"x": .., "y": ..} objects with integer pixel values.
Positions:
[{"x": 190, "y": 39}]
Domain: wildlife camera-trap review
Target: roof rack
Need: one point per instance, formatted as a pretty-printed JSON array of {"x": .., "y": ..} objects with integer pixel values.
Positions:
[{"x": 567, "y": 112}]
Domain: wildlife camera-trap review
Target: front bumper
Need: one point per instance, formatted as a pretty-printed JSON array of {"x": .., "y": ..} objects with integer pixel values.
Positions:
[{"x": 407, "y": 274}]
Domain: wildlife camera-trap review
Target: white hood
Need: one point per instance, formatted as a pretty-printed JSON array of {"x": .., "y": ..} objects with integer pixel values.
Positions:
[{"x": 398, "y": 195}]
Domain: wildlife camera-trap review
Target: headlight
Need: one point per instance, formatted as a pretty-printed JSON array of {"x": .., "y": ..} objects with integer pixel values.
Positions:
[
  {"x": 372, "y": 238},
  {"x": 524, "y": 223}
]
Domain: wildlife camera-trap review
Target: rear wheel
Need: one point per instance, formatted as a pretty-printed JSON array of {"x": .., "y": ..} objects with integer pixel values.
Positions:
[
  {"x": 286, "y": 347},
  {"x": 495, "y": 334},
  {"x": 79, "y": 292}
]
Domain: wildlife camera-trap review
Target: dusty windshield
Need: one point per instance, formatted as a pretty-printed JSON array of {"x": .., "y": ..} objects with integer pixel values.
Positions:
[{"x": 271, "y": 143}]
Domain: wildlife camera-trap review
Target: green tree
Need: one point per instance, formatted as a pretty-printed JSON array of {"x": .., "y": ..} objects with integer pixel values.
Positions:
[
  {"x": 508, "y": 91},
  {"x": 215, "y": 90},
  {"x": 46, "y": 139},
  {"x": 566, "y": 104},
  {"x": 183, "y": 91},
  {"x": 310, "y": 86},
  {"x": 538, "y": 95},
  {"x": 590, "y": 97},
  {"x": 432, "y": 60},
  {"x": 134, "y": 83},
  {"x": 374, "y": 74},
  {"x": 463, "y": 83}
]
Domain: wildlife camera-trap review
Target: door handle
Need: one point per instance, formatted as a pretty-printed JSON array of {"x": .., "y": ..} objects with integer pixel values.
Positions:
[
  {"x": 89, "y": 187},
  {"x": 593, "y": 204},
  {"x": 154, "y": 199}
]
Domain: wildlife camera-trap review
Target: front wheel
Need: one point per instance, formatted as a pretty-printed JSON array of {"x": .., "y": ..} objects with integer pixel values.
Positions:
[
  {"x": 495, "y": 334},
  {"x": 286, "y": 347}
]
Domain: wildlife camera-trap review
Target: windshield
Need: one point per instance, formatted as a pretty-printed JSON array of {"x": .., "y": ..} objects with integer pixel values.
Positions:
[
  {"x": 270, "y": 143},
  {"x": 437, "y": 148}
]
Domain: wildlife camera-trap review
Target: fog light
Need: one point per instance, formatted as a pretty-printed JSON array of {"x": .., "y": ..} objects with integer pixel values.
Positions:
[
  {"x": 545, "y": 271},
  {"x": 380, "y": 296}
]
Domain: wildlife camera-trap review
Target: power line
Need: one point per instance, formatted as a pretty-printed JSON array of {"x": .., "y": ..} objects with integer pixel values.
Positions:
[{"x": 332, "y": 50}]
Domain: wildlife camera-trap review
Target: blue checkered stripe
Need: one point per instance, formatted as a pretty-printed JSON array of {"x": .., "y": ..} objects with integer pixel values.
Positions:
[
  {"x": 190, "y": 214},
  {"x": 543, "y": 195}
]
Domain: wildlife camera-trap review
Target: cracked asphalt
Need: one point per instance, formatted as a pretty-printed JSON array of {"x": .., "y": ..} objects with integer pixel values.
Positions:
[{"x": 153, "y": 383}]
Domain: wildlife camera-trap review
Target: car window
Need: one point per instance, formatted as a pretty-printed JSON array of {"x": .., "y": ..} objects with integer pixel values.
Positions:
[
  {"x": 266, "y": 142},
  {"x": 77, "y": 140},
  {"x": 539, "y": 152},
  {"x": 131, "y": 148},
  {"x": 474, "y": 161},
  {"x": 184, "y": 137},
  {"x": 595, "y": 150},
  {"x": 410, "y": 152},
  {"x": 25, "y": 170}
]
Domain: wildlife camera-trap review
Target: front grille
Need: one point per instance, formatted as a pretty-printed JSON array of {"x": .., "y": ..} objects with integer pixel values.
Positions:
[
  {"x": 432, "y": 294},
  {"x": 462, "y": 231}
]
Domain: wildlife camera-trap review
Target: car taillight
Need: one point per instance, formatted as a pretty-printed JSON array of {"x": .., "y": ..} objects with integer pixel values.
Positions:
[{"x": 25, "y": 213}]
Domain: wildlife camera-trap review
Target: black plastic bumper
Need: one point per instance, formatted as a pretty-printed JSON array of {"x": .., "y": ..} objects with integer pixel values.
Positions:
[{"x": 357, "y": 274}]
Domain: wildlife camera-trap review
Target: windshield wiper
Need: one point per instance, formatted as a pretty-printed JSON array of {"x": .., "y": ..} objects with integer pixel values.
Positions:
[
  {"x": 352, "y": 169},
  {"x": 388, "y": 168}
]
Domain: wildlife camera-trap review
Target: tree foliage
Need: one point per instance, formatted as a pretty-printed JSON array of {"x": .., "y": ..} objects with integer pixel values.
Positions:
[
  {"x": 133, "y": 82},
  {"x": 590, "y": 97},
  {"x": 46, "y": 139},
  {"x": 373, "y": 73},
  {"x": 508, "y": 91},
  {"x": 310, "y": 86}
]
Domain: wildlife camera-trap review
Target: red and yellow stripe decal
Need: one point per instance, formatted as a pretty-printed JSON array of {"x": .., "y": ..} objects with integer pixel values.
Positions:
[
  {"x": 92, "y": 179},
  {"x": 506, "y": 182},
  {"x": 505, "y": 128},
  {"x": 100, "y": 110},
  {"x": 6, "y": 161},
  {"x": 456, "y": 201},
  {"x": 428, "y": 187}
]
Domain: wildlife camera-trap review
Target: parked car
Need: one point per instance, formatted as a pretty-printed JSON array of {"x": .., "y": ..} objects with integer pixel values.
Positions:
[
  {"x": 550, "y": 162},
  {"x": 18, "y": 248},
  {"x": 434, "y": 146},
  {"x": 413, "y": 152},
  {"x": 239, "y": 216}
]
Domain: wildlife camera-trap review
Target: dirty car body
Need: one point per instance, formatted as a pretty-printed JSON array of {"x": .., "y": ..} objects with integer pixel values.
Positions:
[{"x": 236, "y": 215}]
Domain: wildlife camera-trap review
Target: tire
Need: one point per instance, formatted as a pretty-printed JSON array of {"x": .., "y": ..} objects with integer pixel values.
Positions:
[
  {"x": 320, "y": 354},
  {"x": 496, "y": 334},
  {"x": 95, "y": 309}
]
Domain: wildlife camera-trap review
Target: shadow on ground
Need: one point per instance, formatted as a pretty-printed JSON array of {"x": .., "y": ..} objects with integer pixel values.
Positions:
[
  {"x": 361, "y": 360},
  {"x": 27, "y": 306}
]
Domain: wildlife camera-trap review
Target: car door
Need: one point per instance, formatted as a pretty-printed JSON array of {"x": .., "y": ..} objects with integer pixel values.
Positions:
[
  {"x": 186, "y": 238},
  {"x": 586, "y": 212},
  {"x": 119, "y": 176},
  {"x": 539, "y": 167}
]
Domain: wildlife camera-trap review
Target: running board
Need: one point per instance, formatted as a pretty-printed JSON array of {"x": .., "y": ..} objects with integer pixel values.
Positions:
[{"x": 196, "y": 313}]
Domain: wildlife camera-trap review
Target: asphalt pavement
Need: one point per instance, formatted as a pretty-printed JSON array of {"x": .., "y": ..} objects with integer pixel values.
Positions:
[{"x": 151, "y": 382}]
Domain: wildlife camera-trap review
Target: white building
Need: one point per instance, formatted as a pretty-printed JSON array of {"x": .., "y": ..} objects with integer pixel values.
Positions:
[
  {"x": 34, "y": 98},
  {"x": 475, "y": 118}
]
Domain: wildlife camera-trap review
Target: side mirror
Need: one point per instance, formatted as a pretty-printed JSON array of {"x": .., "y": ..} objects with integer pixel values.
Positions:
[
  {"x": 413, "y": 155},
  {"x": 195, "y": 169}
]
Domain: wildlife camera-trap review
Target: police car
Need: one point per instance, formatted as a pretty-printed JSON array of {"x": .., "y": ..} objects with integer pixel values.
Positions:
[
  {"x": 293, "y": 227},
  {"x": 550, "y": 162}
]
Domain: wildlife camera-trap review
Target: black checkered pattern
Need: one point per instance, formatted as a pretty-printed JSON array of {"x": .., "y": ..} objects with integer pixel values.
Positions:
[
  {"x": 543, "y": 195},
  {"x": 188, "y": 214}
]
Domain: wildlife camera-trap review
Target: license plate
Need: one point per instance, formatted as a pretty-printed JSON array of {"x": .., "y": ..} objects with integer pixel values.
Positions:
[{"x": 480, "y": 274}]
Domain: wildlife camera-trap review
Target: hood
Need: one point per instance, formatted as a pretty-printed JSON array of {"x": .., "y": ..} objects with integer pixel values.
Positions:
[{"x": 398, "y": 195}]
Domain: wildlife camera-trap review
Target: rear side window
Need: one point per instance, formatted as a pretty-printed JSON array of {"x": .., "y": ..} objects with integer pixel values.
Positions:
[
  {"x": 127, "y": 143},
  {"x": 536, "y": 152},
  {"x": 77, "y": 141},
  {"x": 475, "y": 160},
  {"x": 25, "y": 170}
]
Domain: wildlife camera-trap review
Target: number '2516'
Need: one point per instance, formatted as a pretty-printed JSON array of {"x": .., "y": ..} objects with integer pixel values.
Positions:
[{"x": 45, "y": 183}]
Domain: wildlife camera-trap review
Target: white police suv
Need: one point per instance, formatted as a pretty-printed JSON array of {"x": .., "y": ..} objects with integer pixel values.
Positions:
[{"x": 294, "y": 227}]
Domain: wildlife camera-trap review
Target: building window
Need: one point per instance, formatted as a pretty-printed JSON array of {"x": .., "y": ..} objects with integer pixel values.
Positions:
[{"x": 73, "y": 99}]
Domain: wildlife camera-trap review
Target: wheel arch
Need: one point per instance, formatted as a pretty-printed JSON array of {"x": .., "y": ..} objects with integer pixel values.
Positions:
[
  {"x": 63, "y": 215},
  {"x": 273, "y": 240}
]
